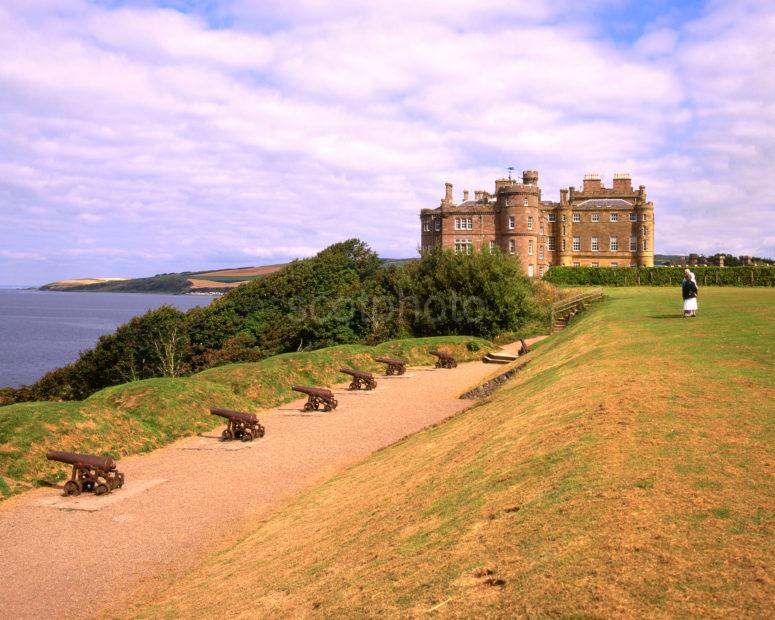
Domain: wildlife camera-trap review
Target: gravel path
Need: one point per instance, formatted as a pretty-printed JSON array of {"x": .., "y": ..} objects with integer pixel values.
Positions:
[{"x": 198, "y": 493}]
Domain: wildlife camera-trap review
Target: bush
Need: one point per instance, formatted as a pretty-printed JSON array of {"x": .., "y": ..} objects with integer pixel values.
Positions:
[{"x": 660, "y": 276}]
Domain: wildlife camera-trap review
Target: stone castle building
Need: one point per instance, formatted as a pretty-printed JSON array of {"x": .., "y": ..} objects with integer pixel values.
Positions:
[{"x": 593, "y": 227}]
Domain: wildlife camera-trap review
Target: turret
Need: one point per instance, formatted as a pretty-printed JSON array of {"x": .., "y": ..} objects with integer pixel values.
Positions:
[{"x": 530, "y": 177}]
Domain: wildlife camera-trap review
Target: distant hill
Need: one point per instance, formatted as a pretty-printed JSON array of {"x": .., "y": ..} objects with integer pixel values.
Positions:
[{"x": 213, "y": 281}]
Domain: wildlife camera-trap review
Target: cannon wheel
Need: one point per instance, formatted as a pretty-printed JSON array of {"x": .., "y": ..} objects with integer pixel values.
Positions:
[
  {"x": 119, "y": 480},
  {"x": 308, "y": 406},
  {"x": 227, "y": 435},
  {"x": 72, "y": 487},
  {"x": 261, "y": 431},
  {"x": 101, "y": 489},
  {"x": 247, "y": 436}
]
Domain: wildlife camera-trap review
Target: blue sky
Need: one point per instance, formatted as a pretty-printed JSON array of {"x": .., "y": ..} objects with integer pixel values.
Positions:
[{"x": 140, "y": 137}]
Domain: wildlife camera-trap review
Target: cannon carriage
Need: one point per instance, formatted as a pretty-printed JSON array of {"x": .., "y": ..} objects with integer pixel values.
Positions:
[
  {"x": 361, "y": 379},
  {"x": 444, "y": 360},
  {"x": 394, "y": 366},
  {"x": 92, "y": 473},
  {"x": 317, "y": 397},
  {"x": 244, "y": 426}
]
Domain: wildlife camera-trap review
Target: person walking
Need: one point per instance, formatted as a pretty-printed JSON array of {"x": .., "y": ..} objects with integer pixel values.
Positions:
[{"x": 689, "y": 292}]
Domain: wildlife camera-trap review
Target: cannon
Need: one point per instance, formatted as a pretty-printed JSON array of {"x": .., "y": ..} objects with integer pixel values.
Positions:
[
  {"x": 444, "y": 360},
  {"x": 394, "y": 366},
  {"x": 361, "y": 379},
  {"x": 316, "y": 397},
  {"x": 244, "y": 426},
  {"x": 90, "y": 472}
]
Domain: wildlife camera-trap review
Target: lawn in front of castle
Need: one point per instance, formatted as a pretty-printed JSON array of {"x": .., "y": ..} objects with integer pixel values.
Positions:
[{"x": 626, "y": 471}]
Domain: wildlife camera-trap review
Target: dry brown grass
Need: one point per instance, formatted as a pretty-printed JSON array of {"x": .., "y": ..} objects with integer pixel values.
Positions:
[
  {"x": 243, "y": 271},
  {"x": 626, "y": 472},
  {"x": 197, "y": 283}
]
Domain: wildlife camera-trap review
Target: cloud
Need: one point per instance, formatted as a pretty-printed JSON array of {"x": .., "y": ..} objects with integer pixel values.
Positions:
[{"x": 264, "y": 130}]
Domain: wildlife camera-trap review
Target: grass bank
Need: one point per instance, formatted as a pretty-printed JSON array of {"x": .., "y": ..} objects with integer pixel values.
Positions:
[
  {"x": 626, "y": 472},
  {"x": 144, "y": 415}
]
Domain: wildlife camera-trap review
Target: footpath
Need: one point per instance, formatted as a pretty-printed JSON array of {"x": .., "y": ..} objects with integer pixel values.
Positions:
[{"x": 67, "y": 557}]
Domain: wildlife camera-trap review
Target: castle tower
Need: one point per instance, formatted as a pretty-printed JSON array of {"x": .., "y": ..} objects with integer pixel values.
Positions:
[
  {"x": 564, "y": 227},
  {"x": 645, "y": 214},
  {"x": 519, "y": 219}
]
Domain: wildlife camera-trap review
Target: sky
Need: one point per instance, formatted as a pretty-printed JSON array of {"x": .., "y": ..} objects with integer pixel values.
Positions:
[{"x": 146, "y": 137}]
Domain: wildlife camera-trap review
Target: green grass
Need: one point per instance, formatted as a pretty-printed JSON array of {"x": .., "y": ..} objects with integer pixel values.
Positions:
[
  {"x": 625, "y": 472},
  {"x": 144, "y": 415}
]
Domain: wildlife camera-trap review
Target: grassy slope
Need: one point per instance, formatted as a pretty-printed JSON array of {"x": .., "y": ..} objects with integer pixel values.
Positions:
[
  {"x": 140, "y": 416},
  {"x": 626, "y": 472}
]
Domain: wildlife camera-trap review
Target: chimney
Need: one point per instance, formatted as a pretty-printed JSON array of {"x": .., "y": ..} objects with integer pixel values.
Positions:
[
  {"x": 563, "y": 197},
  {"x": 465, "y": 195},
  {"x": 448, "y": 192},
  {"x": 592, "y": 182},
  {"x": 623, "y": 182}
]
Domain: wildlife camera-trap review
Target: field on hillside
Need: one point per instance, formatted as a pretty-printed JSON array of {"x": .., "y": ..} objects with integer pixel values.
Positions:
[
  {"x": 626, "y": 472},
  {"x": 143, "y": 415}
]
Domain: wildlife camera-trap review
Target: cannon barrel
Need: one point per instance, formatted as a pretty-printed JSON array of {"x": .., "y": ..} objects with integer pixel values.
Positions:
[
  {"x": 356, "y": 373},
  {"x": 83, "y": 460},
  {"x": 389, "y": 360},
  {"x": 315, "y": 391},
  {"x": 247, "y": 418}
]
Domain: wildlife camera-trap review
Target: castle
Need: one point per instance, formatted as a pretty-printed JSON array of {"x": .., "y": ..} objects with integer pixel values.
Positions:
[{"x": 595, "y": 227}]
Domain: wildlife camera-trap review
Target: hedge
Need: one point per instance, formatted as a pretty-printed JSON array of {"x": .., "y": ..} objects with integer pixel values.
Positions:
[{"x": 660, "y": 276}]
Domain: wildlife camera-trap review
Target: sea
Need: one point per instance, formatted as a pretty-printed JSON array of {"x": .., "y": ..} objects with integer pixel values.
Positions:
[{"x": 43, "y": 330}]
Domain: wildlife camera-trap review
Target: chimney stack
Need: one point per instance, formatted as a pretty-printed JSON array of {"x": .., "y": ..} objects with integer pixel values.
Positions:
[
  {"x": 592, "y": 181},
  {"x": 448, "y": 192},
  {"x": 622, "y": 182},
  {"x": 465, "y": 195}
]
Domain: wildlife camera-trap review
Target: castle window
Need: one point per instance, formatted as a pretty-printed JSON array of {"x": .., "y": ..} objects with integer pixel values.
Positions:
[
  {"x": 614, "y": 244},
  {"x": 563, "y": 230},
  {"x": 564, "y": 245},
  {"x": 577, "y": 264},
  {"x": 463, "y": 223},
  {"x": 614, "y": 217},
  {"x": 645, "y": 245},
  {"x": 541, "y": 271},
  {"x": 595, "y": 244},
  {"x": 438, "y": 225},
  {"x": 633, "y": 217},
  {"x": 633, "y": 244},
  {"x": 530, "y": 247},
  {"x": 530, "y": 271},
  {"x": 542, "y": 228},
  {"x": 576, "y": 244},
  {"x": 552, "y": 244},
  {"x": 577, "y": 217},
  {"x": 524, "y": 201},
  {"x": 541, "y": 252},
  {"x": 426, "y": 226},
  {"x": 614, "y": 264},
  {"x": 563, "y": 217},
  {"x": 595, "y": 265},
  {"x": 492, "y": 245},
  {"x": 512, "y": 246},
  {"x": 511, "y": 222},
  {"x": 463, "y": 246},
  {"x": 643, "y": 217},
  {"x": 530, "y": 222},
  {"x": 552, "y": 217},
  {"x": 595, "y": 217}
]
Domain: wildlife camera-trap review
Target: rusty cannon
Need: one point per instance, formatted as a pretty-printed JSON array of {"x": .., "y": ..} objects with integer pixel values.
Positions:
[
  {"x": 394, "y": 366},
  {"x": 244, "y": 426},
  {"x": 360, "y": 380},
  {"x": 90, "y": 472},
  {"x": 316, "y": 397},
  {"x": 443, "y": 360}
]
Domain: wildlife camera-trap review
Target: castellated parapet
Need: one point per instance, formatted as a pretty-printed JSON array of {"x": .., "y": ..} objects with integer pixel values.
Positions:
[{"x": 596, "y": 226}]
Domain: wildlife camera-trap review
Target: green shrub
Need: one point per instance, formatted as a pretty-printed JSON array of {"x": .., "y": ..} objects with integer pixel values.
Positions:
[{"x": 660, "y": 276}]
